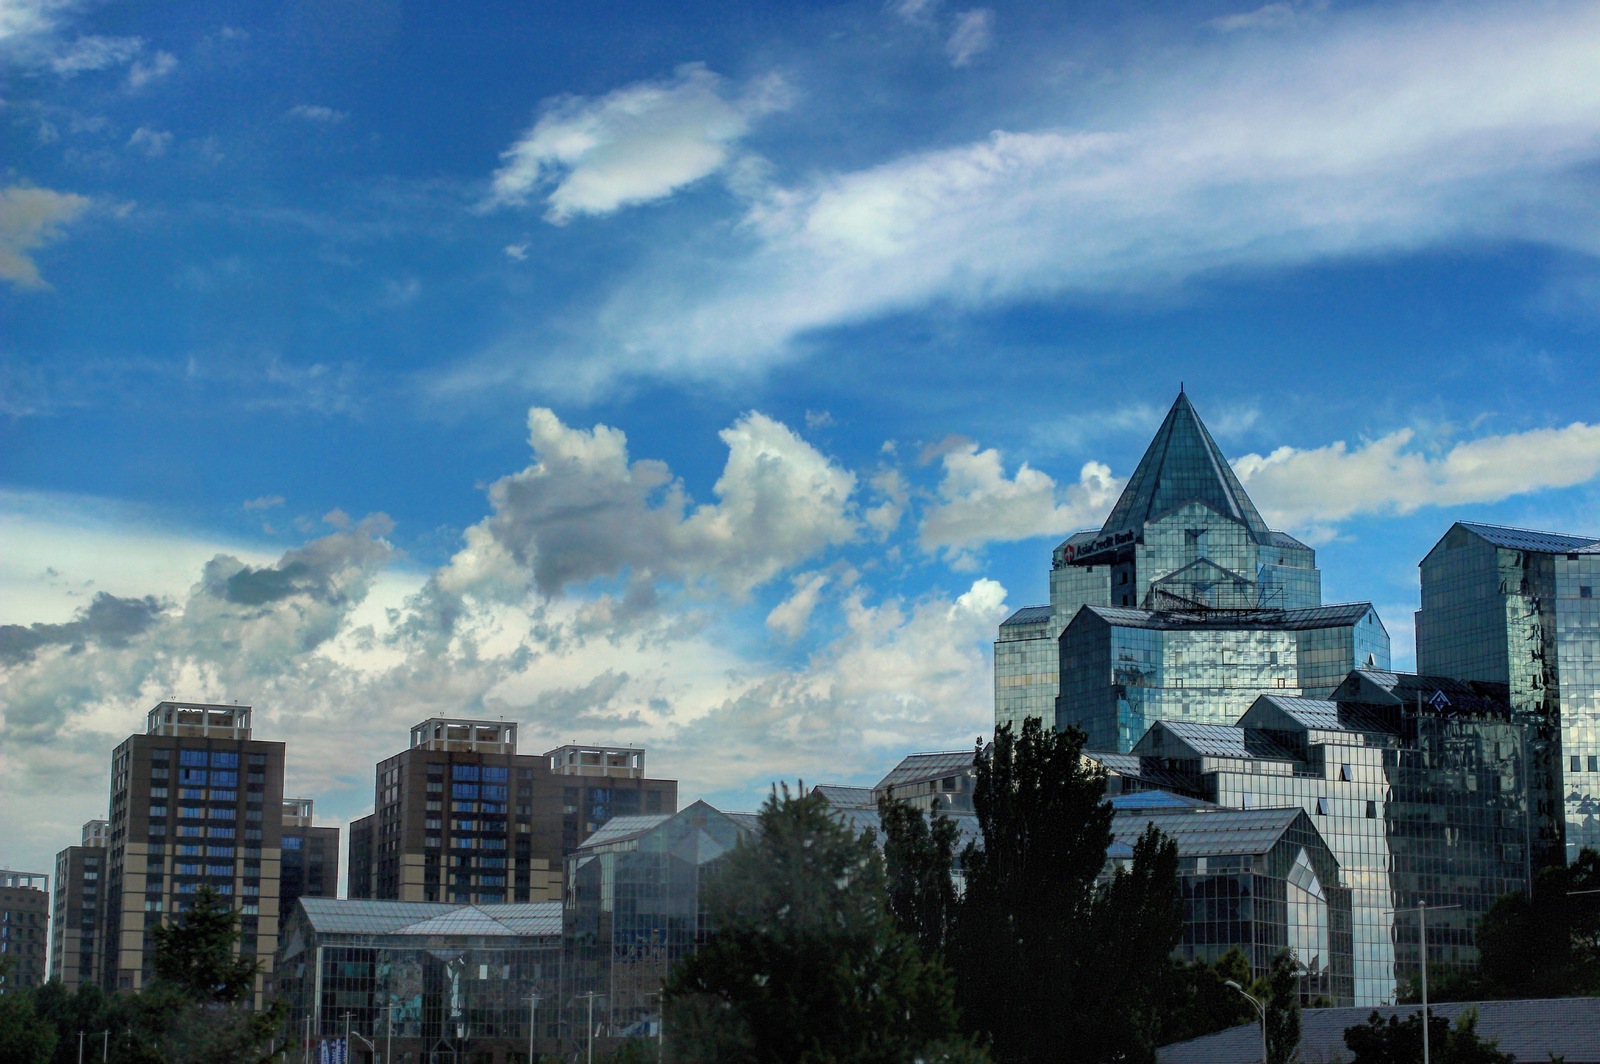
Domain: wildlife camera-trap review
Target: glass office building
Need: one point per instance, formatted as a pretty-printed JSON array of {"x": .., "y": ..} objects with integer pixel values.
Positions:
[
  {"x": 1185, "y": 541},
  {"x": 423, "y": 981},
  {"x": 1418, "y": 785},
  {"x": 1520, "y": 608}
]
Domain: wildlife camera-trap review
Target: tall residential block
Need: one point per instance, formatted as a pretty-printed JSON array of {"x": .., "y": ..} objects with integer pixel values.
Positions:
[
  {"x": 24, "y": 934},
  {"x": 195, "y": 801},
  {"x": 310, "y": 865},
  {"x": 1519, "y": 607},
  {"x": 77, "y": 908},
  {"x": 461, "y": 817}
]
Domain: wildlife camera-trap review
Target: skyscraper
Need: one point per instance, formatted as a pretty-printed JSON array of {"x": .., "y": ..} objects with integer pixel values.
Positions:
[
  {"x": 310, "y": 867},
  {"x": 1184, "y": 604},
  {"x": 1519, "y": 607},
  {"x": 195, "y": 801},
  {"x": 77, "y": 908},
  {"x": 24, "y": 938}
]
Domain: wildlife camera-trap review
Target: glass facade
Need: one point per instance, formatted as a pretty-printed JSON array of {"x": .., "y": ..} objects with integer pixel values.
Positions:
[
  {"x": 1259, "y": 881},
  {"x": 1124, "y": 669},
  {"x": 633, "y": 906},
  {"x": 1183, "y": 540},
  {"x": 1418, "y": 786},
  {"x": 1519, "y": 608},
  {"x": 438, "y": 981}
]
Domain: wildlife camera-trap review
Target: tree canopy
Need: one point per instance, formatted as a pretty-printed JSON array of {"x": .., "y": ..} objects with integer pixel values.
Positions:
[
  {"x": 919, "y": 860},
  {"x": 1399, "y": 1041},
  {"x": 806, "y": 964}
]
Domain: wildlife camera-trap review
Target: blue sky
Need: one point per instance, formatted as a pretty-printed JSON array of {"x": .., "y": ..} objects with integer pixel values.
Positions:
[{"x": 719, "y": 382}]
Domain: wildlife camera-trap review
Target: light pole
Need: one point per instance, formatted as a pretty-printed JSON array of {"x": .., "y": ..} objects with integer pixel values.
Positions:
[
  {"x": 1421, "y": 909},
  {"x": 1261, "y": 1009},
  {"x": 589, "y": 1034},
  {"x": 533, "y": 1022}
]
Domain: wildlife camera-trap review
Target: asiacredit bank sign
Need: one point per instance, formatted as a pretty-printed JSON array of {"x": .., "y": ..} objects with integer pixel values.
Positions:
[{"x": 1100, "y": 545}]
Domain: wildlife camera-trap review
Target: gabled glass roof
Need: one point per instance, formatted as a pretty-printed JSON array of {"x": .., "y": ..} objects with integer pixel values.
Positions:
[
  {"x": 338, "y": 916},
  {"x": 1528, "y": 539},
  {"x": 927, "y": 766},
  {"x": 1222, "y": 740},
  {"x": 1182, "y": 465},
  {"x": 1206, "y": 832}
]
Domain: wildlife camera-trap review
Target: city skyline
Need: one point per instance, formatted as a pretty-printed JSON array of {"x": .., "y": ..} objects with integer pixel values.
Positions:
[{"x": 719, "y": 387}]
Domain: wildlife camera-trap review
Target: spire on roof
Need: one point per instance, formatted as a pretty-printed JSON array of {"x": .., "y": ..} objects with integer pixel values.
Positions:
[{"x": 1183, "y": 465}]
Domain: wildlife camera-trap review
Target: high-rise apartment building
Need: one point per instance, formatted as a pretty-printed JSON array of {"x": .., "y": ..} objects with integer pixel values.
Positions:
[
  {"x": 1522, "y": 608},
  {"x": 195, "y": 801},
  {"x": 24, "y": 933},
  {"x": 1183, "y": 605},
  {"x": 77, "y": 908},
  {"x": 461, "y": 817},
  {"x": 310, "y": 865}
]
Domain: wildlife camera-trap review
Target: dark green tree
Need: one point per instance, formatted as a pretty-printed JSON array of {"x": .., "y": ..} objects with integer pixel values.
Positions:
[
  {"x": 25, "y": 1036},
  {"x": 1196, "y": 998},
  {"x": 806, "y": 964},
  {"x": 1283, "y": 1008},
  {"x": 919, "y": 857},
  {"x": 1398, "y": 1041},
  {"x": 1046, "y": 956},
  {"x": 1546, "y": 945},
  {"x": 87, "y": 1009}
]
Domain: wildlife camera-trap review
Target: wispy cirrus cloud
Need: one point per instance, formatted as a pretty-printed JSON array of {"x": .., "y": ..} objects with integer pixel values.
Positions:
[
  {"x": 1388, "y": 130},
  {"x": 634, "y": 145}
]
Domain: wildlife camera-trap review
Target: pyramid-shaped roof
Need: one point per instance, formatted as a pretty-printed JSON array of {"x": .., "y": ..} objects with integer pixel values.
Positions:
[{"x": 1183, "y": 465}]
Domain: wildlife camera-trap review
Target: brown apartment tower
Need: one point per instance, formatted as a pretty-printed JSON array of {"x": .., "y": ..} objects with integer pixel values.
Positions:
[
  {"x": 77, "y": 908},
  {"x": 462, "y": 817},
  {"x": 24, "y": 914},
  {"x": 195, "y": 801}
]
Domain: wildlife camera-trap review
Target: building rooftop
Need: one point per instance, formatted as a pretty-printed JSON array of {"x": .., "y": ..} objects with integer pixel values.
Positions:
[
  {"x": 1028, "y": 615},
  {"x": 1183, "y": 464},
  {"x": 465, "y": 736},
  {"x": 335, "y": 916},
  {"x": 1222, "y": 740},
  {"x": 918, "y": 767},
  {"x": 1320, "y": 714},
  {"x": 1337, "y": 615},
  {"x": 1529, "y": 539},
  {"x": 1530, "y": 1030},
  {"x": 24, "y": 880},
  {"x": 846, "y": 797},
  {"x": 1204, "y": 832},
  {"x": 198, "y": 720}
]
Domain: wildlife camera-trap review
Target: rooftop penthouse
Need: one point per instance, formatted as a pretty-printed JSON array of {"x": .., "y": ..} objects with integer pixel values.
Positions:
[
  {"x": 465, "y": 736},
  {"x": 198, "y": 720},
  {"x": 626, "y": 762},
  {"x": 297, "y": 812}
]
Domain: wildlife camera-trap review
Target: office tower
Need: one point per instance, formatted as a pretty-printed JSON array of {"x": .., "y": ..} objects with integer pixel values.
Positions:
[
  {"x": 462, "y": 817},
  {"x": 310, "y": 866},
  {"x": 1417, "y": 783},
  {"x": 1185, "y": 560},
  {"x": 24, "y": 932},
  {"x": 1521, "y": 608},
  {"x": 77, "y": 909},
  {"x": 195, "y": 801}
]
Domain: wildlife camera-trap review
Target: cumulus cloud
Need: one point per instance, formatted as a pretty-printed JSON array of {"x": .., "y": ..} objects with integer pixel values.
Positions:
[
  {"x": 108, "y": 621},
  {"x": 1391, "y": 129},
  {"x": 1316, "y": 487},
  {"x": 634, "y": 145},
  {"x": 584, "y": 511},
  {"x": 789, "y": 617},
  {"x": 979, "y": 504},
  {"x": 30, "y": 218},
  {"x": 973, "y": 34}
]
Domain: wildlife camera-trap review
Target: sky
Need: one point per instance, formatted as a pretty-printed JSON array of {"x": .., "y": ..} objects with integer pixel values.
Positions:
[{"x": 717, "y": 379}]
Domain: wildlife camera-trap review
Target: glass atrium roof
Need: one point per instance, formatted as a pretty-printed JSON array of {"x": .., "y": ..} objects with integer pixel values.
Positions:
[
  {"x": 1528, "y": 539},
  {"x": 1221, "y": 740},
  {"x": 919, "y": 767},
  {"x": 1334, "y": 616},
  {"x": 335, "y": 916},
  {"x": 1207, "y": 832}
]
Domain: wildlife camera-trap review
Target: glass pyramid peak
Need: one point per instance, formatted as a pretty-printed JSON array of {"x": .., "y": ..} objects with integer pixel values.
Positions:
[{"x": 1182, "y": 465}]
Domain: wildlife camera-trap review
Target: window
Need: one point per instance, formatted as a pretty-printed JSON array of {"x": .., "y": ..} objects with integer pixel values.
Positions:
[
  {"x": 292, "y": 842},
  {"x": 1585, "y": 591},
  {"x": 1594, "y": 763},
  {"x": 191, "y": 757},
  {"x": 1576, "y": 761},
  {"x": 464, "y": 772},
  {"x": 224, "y": 779},
  {"x": 224, "y": 759},
  {"x": 1322, "y": 806}
]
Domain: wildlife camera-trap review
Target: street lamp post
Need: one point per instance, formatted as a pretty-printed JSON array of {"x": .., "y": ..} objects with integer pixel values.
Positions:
[
  {"x": 1421, "y": 909},
  {"x": 589, "y": 1034},
  {"x": 533, "y": 1022},
  {"x": 1261, "y": 1010}
]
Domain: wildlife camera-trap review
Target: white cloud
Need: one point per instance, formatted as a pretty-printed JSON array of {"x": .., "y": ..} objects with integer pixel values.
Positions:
[
  {"x": 30, "y": 218},
  {"x": 151, "y": 142},
  {"x": 634, "y": 145},
  {"x": 1321, "y": 486},
  {"x": 972, "y": 35},
  {"x": 585, "y": 511},
  {"x": 979, "y": 504},
  {"x": 317, "y": 113},
  {"x": 95, "y": 53},
  {"x": 1391, "y": 129},
  {"x": 916, "y": 12},
  {"x": 143, "y": 71},
  {"x": 264, "y": 502},
  {"x": 517, "y": 252},
  {"x": 1275, "y": 16},
  {"x": 789, "y": 617}
]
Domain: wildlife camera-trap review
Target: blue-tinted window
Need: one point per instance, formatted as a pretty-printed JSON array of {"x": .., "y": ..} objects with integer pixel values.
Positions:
[
  {"x": 292, "y": 842},
  {"x": 494, "y": 774},
  {"x": 464, "y": 790},
  {"x": 464, "y": 772},
  {"x": 192, "y": 757},
  {"x": 192, "y": 776},
  {"x": 495, "y": 791},
  {"x": 224, "y": 759},
  {"x": 224, "y": 779}
]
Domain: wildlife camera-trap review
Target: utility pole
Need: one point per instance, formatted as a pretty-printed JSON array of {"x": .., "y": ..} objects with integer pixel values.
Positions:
[{"x": 1421, "y": 909}]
